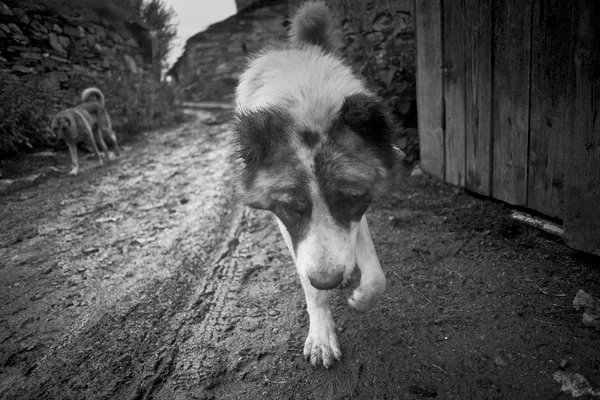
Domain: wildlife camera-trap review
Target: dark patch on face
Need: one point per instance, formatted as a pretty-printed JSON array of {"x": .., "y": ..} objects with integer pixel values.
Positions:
[
  {"x": 258, "y": 133},
  {"x": 296, "y": 216},
  {"x": 346, "y": 208},
  {"x": 309, "y": 138},
  {"x": 370, "y": 119}
]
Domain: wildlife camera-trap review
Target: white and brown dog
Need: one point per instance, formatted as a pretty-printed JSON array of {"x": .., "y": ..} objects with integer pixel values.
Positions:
[
  {"x": 88, "y": 122},
  {"x": 316, "y": 148}
]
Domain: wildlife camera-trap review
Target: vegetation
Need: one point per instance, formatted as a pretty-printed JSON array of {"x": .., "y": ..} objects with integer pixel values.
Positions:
[{"x": 136, "y": 102}]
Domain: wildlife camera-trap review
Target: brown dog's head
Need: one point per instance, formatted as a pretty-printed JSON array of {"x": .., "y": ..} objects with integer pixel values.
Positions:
[
  {"x": 62, "y": 125},
  {"x": 317, "y": 181}
]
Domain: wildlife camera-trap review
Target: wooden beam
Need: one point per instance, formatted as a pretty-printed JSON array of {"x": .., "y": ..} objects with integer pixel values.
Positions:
[
  {"x": 512, "y": 56},
  {"x": 454, "y": 31},
  {"x": 582, "y": 151},
  {"x": 478, "y": 81},
  {"x": 428, "y": 26},
  {"x": 554, "y": 32}
]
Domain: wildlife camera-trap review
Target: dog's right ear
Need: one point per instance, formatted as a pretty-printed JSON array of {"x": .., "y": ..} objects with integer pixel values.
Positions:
[{"x": 258, "y": 132}]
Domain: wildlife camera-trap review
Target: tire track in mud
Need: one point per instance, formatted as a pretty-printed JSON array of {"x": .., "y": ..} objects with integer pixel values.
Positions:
[{"x": 127, "y": 347}]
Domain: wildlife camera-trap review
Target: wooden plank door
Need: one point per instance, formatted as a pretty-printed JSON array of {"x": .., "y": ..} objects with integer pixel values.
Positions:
[
  {"x": 454, "y": 31},
  {"x": 512, "y": 52},
  {"x": 478, "y": 92},
  {"x": 428, "y": 26},
  {"x": 554, "y": 32},
  {"x": 582, "y": 158}
]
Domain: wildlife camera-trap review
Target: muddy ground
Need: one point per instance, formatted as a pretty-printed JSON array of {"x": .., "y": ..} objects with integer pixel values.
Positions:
[{"x": 145, "y": 279}]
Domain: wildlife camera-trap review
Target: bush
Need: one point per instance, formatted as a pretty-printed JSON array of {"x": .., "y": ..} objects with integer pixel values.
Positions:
[
  {"x": 135, "y": 104},
  {"x": 24, "y": 114}
]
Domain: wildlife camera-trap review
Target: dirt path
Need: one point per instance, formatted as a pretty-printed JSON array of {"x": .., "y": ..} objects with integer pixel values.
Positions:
[{"x": 144, "y": 279}]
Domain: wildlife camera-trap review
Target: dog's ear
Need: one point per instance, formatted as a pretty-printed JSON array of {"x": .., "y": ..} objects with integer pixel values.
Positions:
[
  {"x": 258, "y": 132},
  {"x": 368, "y": 117}
]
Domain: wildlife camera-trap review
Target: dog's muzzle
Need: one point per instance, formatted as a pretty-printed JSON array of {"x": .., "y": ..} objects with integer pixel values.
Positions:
[{"x": 324, "y": 280}]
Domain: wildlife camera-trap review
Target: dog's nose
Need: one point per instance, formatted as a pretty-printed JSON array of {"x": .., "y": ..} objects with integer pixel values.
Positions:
[{"x": 325, "y": 281}]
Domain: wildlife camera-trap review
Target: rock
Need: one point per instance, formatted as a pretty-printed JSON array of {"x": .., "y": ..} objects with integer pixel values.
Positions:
[
  {"x": 57, "y": 28},
  {"x": 64, "y": 41},
  {"x": 131, "y": 63},
  {"x": 35, "y": 25},
  {"x": 591, "y": 307},
  {"x": 22, "y": 69},
  {"x": 21, "y": 39},
  {"x": 383, "y": 23},
  {"x": 417, "y": 171},
  {"x": 31, "y": 55},
  {"x": 76, "y": 32},
  {"x": 53, "y": 38},
  {"x": 15, "y": 29},
  {"x": 59, "y": 59},
  {"x": 4, "y": 28},
  {"x": 25, "y": 20},
  {"x": 4, "y": 10},
  {"x": 2, "y": 59}
]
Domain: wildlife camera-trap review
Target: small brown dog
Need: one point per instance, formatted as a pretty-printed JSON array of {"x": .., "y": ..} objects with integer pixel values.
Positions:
[{"x": 87, "y": 122}]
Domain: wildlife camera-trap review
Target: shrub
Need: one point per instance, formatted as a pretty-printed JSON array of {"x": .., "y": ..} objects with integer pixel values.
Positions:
[{"x": 24, "y": 114}]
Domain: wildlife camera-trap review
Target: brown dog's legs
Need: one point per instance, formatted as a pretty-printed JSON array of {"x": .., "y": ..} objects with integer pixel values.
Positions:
[
  {"x": 103, "y": 146},
  {"x": 74, "y": 160}
]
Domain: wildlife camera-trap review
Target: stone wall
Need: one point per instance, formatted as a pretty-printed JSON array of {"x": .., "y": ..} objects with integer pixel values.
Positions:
[
  {"x": 377, "y": 36},
  {"x": 213, "y": 59},
  {"x": 39, "y": 42}
]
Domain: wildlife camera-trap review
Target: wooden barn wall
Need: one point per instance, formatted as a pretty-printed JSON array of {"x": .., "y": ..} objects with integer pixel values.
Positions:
[{"x": 508, "y": 93}]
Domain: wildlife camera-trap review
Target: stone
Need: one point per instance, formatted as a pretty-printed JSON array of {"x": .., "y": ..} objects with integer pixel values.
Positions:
[
  {"x": 3, "y": 35},
  {"x": 12, "y": 49},
  {"x": 25, "y": 20},
  {"x": 383, "y": 23},
  {"x": 21, "y": 39},
  {"x": 31, "y": 55},
  {"x": 73, "y": 31},
  {"x": 57, "y": 29},
  {"x": 4, "y": 10},
  {"x": 5, "y": 28},
  {"x": 22, "y": 69},
  {"x": 15, "y": 29},
  {"x": 53, "y": 38},
  {"x": 59, "y": 59},
  {"x": 40, "y": 36},
  {"x": 2, "y": 59},
  {"x": 35, "y": 25},
  {"x": 57, "y": 76},
  {"x": 64, "y": 41},
  {"x": 131, "y": 64}
]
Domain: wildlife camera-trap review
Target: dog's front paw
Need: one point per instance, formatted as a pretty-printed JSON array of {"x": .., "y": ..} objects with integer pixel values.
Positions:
[
  {"x": 74, "y": 171},
  {"x": 366, "y": 295},
  {"x": 100, "y": 162},
  {"x": 321, "y": 347}
]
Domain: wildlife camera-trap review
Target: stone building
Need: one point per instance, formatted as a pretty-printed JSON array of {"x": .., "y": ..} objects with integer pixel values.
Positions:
[{"x": 213, "y": 59}]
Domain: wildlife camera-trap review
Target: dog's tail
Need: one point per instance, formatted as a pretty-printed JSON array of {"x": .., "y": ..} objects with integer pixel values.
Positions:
[
  {"x": 312, "y": 24},
  {"x": 92, "y": 91}
]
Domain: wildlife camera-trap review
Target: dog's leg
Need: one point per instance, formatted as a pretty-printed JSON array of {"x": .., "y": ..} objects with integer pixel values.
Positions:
[
  {"x": 321, "y": 345},
  {"x": 113, "y": 137},
  {"x": 372, "y": 281},
  {"x": 74, "y": 161},
  {"x": 92, "y": 141},
  {"x": 103, "y": 145}
]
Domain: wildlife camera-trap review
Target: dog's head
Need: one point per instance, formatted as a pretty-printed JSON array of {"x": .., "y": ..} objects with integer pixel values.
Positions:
[
  {"x": 318, "y": 181},
  {"x": 62, "y": 125}
]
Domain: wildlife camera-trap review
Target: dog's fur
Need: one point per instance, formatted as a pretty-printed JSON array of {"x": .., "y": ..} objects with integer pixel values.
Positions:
[
  {"x": 316, "y": 148},
  {"x": 87, "y": 122}
]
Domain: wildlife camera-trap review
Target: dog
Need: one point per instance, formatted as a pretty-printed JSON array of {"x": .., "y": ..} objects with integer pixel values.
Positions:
[
  {"x": 315, "y": 146},
  {"x": 88, "y": 122}
]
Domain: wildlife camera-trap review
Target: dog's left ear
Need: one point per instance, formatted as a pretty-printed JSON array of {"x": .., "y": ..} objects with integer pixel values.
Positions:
[
  {"x": 258, "y": 132},
  {"x": 369, "y": 118}
]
